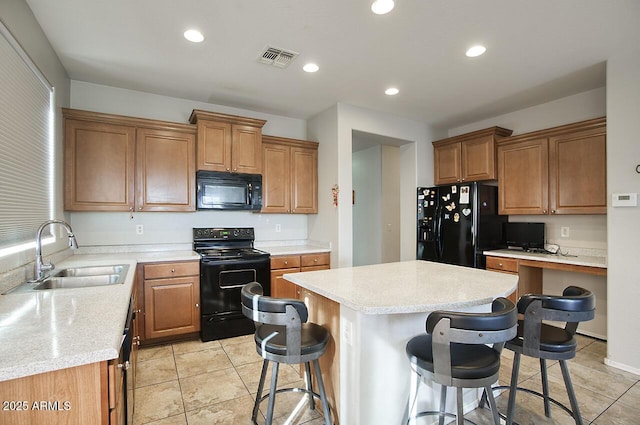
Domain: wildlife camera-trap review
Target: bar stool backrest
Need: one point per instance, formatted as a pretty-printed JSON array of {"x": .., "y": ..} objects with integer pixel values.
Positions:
[
  {"x": 449, "y": 327},
  {"x": 575, "y": 305},
  {"x": 289, "y": 314}
]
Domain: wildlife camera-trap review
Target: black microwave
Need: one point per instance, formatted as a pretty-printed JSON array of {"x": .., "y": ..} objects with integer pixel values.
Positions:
[{"x": 217, "y": 190}]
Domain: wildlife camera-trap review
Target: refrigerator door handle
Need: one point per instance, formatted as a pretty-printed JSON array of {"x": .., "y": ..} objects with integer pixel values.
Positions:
[{"x": 439, "y": 242}]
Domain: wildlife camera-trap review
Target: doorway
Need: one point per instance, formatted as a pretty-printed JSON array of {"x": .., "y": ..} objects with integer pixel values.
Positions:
[{"x": 375, "y": 198}]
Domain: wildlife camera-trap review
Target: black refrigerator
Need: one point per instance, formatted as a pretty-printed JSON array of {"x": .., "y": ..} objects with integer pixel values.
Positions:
[{"x": 456, "y": 223}]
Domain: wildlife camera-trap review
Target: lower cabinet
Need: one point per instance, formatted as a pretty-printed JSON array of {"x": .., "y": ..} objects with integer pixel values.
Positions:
[
  {"x": 171, "y": 293},
  {"x": 529, "y": 279},
  {"x": 283, "y": 264}
]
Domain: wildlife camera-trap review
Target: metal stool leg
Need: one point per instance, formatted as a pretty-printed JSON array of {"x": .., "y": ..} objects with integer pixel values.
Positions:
[
  {"x": 272, "y": 393},
  {"x": 443, "y": 404},
  {"x": 545, "y": 387},
  {"x": 307, "y": 371},
  {"x": 572, "y": 395},
  {"x": 323, "y": 395},
  {"x": 460, "y": 406},
  {"x": 263, "y": 375},
  {"x": 488, "y": 393},
  {"x": 512, "y": 390},
  {"x": 410, "y": 409}
]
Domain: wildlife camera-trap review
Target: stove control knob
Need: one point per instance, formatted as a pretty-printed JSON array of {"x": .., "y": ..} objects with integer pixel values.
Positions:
[{"x": 236, "y": 232}]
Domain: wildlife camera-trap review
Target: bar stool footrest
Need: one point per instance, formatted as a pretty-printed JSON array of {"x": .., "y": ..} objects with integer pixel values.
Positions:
[
  {"x": 536, "y": 393},
  {"x": 435, "y": 412},
  {"x": 315, "y": 396}
]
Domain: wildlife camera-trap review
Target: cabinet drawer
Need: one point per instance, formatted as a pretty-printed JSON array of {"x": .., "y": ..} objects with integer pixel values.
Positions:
[
  {"x": 502, "y": 264},
  {"x": 168, "y": 270},
  {"x": 308, "y": 260},
  {"x": 285, "y": 262}
]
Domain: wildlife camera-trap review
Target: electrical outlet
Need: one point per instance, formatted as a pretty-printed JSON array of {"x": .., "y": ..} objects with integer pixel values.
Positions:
[
  {"x": 278, "y": 228},
  {"x": 139, "y": 229},
  {"x": 564, "y": 232}
]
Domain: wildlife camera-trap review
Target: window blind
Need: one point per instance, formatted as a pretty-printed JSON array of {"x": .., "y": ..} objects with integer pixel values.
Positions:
[{"x": 26, "y": 151}]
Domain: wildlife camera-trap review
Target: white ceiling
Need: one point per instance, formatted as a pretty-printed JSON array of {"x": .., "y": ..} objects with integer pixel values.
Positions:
[{"x": 538, "y": 50}]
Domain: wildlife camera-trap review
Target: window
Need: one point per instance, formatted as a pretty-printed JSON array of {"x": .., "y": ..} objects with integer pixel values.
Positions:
[{"x": 26, "y": 146}]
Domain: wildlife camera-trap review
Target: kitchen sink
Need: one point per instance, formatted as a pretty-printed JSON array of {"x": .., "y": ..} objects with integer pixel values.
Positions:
[
  {"x": 92, "y": 271},
  {"x": 77, "y": 277},
  {"x": 80, "y": 281}
]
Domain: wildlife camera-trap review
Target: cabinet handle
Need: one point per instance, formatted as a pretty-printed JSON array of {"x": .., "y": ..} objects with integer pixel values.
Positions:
[
  {"x": 124, "y": 366},
  {"x": 315, "y": 260},
  {"x": 197, "y": 305},
  {"x": 235, "y": 169},
  {"x": 173, "y": 270},
  {"x": 499, "y": 264},
  {"x": 228, "y": 169},
  {"x": 286, "y": 263},
  {"x": 553, "y": 211},
  {"x": 544, "y": 211},
  {"x": 139, "y": 208}
]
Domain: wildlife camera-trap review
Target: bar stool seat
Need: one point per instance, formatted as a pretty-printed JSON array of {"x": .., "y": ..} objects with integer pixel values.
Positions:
[
  {"x": 547, "y": 342},
  {"x": 283, "y": 335},
  {"x": 455, "y": 352}
]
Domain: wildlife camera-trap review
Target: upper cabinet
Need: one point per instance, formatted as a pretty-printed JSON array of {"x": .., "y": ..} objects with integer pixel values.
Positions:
[
  {"x": 289, "y": 176},
  {"x": 118, "y": 163},
  {"x": 228, "y": 142},
  {"x": 468, "y": 157},
  {"x": 561, "y": 170}
]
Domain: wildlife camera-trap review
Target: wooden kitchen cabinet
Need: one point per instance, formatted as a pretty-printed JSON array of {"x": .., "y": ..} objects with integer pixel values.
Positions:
[
  {"x": 289, "y": 176},
  {"x": 504, "y": 265},
  {"x": 228, "y": 142},
  {"x": 171, "y": 299},
  {"x": 118, "y": 163},
  {"x": 467, "y": 157},
  {"x": 283, "y": 264},
  {"x": 165, "y": 170},
  {"x": 561, "y": 170}
]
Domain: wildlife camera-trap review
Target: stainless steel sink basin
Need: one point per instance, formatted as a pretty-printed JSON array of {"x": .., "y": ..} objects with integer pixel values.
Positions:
[
  {"x": 80, "y": 281},
  {"x": 92, "y": 271},
  {"x": 77, "y": 277}
]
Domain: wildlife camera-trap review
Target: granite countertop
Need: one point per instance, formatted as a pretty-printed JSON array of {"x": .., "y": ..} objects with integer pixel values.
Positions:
[
  {"x": 407, "y": 287},
  {"x": 577, "y": 260},
  {"x": 42, "y": 331},
  {"x": 297, "y": 249}
]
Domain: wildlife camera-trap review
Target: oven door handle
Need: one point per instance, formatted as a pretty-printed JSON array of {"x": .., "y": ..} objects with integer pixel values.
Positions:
[
  {"x": 233, "y": 286},
  {"x": 249, "y": 194}
]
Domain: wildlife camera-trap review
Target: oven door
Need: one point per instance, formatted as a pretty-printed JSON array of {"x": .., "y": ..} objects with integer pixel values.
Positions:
[{"x": 222, "y": 280}]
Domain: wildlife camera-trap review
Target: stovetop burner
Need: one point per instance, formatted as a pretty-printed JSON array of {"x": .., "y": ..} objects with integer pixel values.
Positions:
[{"x": 225, "y": 253}]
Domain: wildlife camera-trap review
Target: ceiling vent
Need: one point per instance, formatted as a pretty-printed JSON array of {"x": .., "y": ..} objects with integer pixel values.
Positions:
[{"x": 277, "y": 57}]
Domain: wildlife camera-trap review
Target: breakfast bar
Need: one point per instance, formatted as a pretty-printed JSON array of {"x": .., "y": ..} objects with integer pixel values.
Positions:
[{"x": 371, "y": 312}]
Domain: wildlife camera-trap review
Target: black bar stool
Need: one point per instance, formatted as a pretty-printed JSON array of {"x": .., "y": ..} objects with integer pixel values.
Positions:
[
  {"x": 453, "y": 354},
  {"x": 284, "y": 336},
  {"x": 544, "y": 341}
]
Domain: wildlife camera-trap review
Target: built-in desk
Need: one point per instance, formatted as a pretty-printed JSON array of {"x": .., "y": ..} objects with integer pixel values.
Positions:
[{"x": 528, "y": 266}]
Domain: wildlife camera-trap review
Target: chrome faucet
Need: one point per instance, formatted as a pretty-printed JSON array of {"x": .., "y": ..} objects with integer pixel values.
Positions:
[{"x": 40, "y": 266}]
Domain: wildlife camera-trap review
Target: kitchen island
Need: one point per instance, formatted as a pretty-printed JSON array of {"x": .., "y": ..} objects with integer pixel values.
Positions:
[{"x": 371, "y": 312}]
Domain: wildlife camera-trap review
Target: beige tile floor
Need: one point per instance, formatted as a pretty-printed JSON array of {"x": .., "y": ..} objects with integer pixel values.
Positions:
[{"x": 196, "y": 383}]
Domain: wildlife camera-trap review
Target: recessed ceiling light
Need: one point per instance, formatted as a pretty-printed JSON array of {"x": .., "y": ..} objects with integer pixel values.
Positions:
[
  {"x": 311, "y": 67},
  {"x": 380, "y": 7},
  {"x": 476, "y": 51},
  {"x": 391, "y": 91},
  {"x": 194, "y": 36}
]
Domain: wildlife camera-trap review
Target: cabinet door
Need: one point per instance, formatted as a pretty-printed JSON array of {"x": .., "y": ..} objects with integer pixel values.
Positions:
[
  {"x": 99, "y": 166},
  {"x": 246, "y": 149},
  {"x": 165, "y": 170},
  {"x": 304, "y": 180},
  {"x": 523, "y": 177},
  {"x": 171, "y": 306},
  {"x": 282, "y": 288},
  {"x": 214, "y": 146},
  {"x": 447, "y": 159},
  {"x": 577, "y": 173},
  {"x": 479, "y": 159},
  {"x": 276, "y": 177}
]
